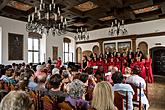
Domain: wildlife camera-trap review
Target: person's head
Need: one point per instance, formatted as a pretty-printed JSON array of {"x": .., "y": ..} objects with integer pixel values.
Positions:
[
  {"x": 41, "y": 78},
  {"x": 101, "y": 55},
  {"x": 16, "y": 100},
  {"x": 9, "y": 72},
  {"x": 85, "y": 58},
  {"x": 127, "y": 70},
  {"x": 114, "y": 69},
  {"x": 103, "y": 97},
  {"x": 117, "y": 77},
  {"x": 39, "y": 67},
  {"x": 76, "y": 89},
  {"x": 89, "y": 70},
  {"x": 136, "y": 70},
  {"x": 55, "y": 71},
  {"x": 55, "y": 81},
  {"x": 84, "y": 77},
  {"x": 138, "y": 49},
  {"x": 111, "y": 54}
]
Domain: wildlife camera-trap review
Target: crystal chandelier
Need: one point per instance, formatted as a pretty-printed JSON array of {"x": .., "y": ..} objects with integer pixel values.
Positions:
[
  {"x": 117, "y": 28},
  {"x": 82, "y": 34},
  {"x": 47, "y": 18}
]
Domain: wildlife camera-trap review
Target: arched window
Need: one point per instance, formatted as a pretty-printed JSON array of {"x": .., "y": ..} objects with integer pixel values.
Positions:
[
  {"x": 34, "y": 47},
  {"x": 67, "y": 55}
]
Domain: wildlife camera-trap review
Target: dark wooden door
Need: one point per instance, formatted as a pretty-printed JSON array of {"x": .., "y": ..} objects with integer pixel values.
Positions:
[{"x": 159, "y": 60}]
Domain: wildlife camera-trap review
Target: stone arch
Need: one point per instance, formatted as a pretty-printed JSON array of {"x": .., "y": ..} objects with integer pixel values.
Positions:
[
  {"x": 87, "y": 53},
  {"x": 95, "y": 49},
  {"x": 143, "y": 46}
]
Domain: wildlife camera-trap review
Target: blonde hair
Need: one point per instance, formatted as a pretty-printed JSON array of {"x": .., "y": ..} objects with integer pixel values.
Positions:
[
  {"x": 103, "y": 96},
  {"x": 16, "y": 100}
]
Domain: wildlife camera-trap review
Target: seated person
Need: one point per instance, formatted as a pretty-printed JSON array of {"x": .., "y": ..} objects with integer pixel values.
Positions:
[
  {"x": 27, "y": 80},
  {"x": 103, "y": 97},
  {"x": 55, "y": 93},
  {"x": 16, "y": 100},
  {"x": 9, "y": 76},
  {"x": 136, "y": 80},
  {"x": 117, "y": 78},
  {"x": 76, "y": 90}
]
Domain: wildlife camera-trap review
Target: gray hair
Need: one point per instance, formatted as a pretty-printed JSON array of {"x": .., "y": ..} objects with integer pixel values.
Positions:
[
  {"x": 76, "y": 89},
  {"x": 16, "y": 100}
]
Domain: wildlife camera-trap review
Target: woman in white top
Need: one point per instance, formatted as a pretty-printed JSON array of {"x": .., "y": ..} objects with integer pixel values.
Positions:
[{"x": 136, "y": 80}]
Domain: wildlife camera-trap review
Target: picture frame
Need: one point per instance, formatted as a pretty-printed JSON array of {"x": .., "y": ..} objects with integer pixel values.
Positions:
[
  {"x": 15, "y": 46},
  {"x": 55, "y": 53},
  {"x": 124, "y": 46},
  {"x": 109, "y": 47}
]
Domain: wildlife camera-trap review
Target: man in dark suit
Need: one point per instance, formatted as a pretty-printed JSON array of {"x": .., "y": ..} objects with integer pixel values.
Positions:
[{"x": 138, "y": 52}]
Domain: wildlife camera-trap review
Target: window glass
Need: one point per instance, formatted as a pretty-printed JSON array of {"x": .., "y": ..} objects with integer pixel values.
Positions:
[
  {"x": 36, "y": 43},
  {"x": 30, "y": 57},
  {"x": 30, "y": 43}
]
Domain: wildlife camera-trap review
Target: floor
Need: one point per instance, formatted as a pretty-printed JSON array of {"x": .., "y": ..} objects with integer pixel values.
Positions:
[{"x": 156, "y": 93}]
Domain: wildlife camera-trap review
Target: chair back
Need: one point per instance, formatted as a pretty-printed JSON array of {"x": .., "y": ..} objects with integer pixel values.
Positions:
[
  {"x": 65, "y": 106},
  {"x": 47, "y": 103},
  {"x": 137, "y": 95},
  {"x": 119, "y": 100}
]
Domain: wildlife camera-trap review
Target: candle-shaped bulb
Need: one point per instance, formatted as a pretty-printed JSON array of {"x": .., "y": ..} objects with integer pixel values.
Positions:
[
  {"x": 115, "y": 21},
  {"x": 77, "y": 29},
  {"x": 32, "y": 16},
  {"x": 65, "y": 22},
  {"x": 28, "y": 18},
  {"x": 55, "y": 17},
  {"x": 54, "y": 6},
  {"x": 40, "y": 6},
  {"x": 41, "y": 1},
  {"x": 112, "y": 24},
  {"x": 47, "y": 16},
  {"x": 50, "y": 7},
  {"x": 81, "y": 29},
  {"x": 58, "y": 10},
  {"x": 122, "y": 22},
  {"x": 61, "y": 18},
  {"x": 52, "y": 1},
  {"x": 39, "y": 15},
  {"x": 35, "y": 9}
]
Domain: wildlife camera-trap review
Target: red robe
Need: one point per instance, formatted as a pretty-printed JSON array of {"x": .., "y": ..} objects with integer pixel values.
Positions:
[
  {"x": 89, "y": 64},
  {"x": 143, "y": 70},
  {"x": 59, "y": 62},
  {"x": 149, "y": 70}
]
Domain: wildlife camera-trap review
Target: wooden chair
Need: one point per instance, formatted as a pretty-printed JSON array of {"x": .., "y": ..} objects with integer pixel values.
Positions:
[
  {"x": 65, "y": 106},
  {"x": 137, "y": 96},
  {"x": 47, "y": 103},
  {"x": 34, "y": 98},
  {"x": 119, "y": 100}
]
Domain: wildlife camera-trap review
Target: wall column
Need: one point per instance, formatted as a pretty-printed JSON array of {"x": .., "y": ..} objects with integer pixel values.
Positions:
[
  {"x": 133, "y": 44},
  {"x": 100, "y": 46}
]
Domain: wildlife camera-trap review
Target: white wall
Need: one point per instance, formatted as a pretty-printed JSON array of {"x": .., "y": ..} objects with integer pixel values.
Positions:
[
  {"x": 151, "y": 41},
  {"x": 136, "y": 28},
  {"x": 46, "y": 44},
  {"x": 87, "y": 46},
  {"x": 57, "y": 41},
  {"x": 12, "y": 26}
]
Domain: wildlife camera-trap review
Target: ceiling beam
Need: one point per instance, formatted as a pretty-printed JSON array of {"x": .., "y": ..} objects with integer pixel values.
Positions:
[{"x": 3, "y": 4}]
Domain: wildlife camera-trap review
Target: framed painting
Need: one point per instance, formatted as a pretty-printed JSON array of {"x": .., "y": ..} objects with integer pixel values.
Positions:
[
  {"x": 109, "y": 47},
  {"x": 15, "y": 46},
  {"x": 55, "y": 53},
  {"x": 124, "y": 46}
]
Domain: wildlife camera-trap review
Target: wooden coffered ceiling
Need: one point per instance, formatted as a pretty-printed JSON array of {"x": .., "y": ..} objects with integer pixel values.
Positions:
[{"x": 93, "y": 14}]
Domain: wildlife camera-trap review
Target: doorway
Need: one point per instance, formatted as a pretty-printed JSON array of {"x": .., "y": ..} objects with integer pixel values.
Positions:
[{"x": 158, "y": 60}]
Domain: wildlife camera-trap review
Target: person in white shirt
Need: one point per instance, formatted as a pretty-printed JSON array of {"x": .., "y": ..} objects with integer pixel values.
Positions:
[
  {"x": 117, "y": 78},
  {"x": 136, "y": 80}
]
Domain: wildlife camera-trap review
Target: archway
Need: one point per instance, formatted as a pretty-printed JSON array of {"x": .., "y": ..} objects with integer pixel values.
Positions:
[
  {"x": 87, "y": 53},
  {"x": 78, "y": 55},
  {"x": 143, "y": 46},
  {"x": 158, "y": 60},
  {"x": 96, "y": 50}
]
